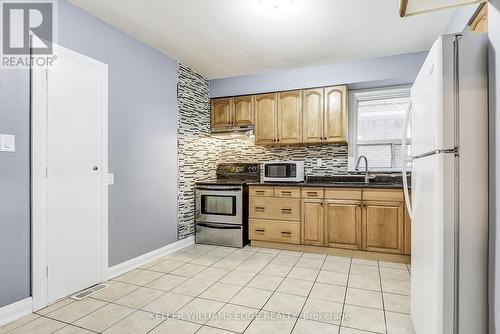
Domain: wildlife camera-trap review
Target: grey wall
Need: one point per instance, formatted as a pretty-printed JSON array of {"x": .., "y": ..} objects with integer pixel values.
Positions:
[
  {"x": 142, "y": 133},
  {"x": 14, "y": 189},
  {"x": 384, "y": 71},
  {"x": 460, "y": 18},
  {"x": 494, "y": 68},
  {"x": 142, "y": 149}
]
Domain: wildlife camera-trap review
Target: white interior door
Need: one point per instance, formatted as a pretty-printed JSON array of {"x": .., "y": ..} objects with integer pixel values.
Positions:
[{"x": 76, "y": 197}]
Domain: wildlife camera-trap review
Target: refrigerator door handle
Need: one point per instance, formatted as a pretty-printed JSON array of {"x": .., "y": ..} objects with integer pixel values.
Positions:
[
  {"x": 454, "y": 150},
  {"x": 404, "y": 161}
]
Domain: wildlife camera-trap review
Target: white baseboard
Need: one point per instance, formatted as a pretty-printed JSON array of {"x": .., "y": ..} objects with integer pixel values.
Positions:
[
  {"x": 15, "y": 311},
  {"x": 136, "y": 262}
]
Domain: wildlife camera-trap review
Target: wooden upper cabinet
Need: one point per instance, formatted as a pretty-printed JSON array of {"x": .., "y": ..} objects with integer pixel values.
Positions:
[
  {"x": 383, "y": 226},
  {"x": 480, "y": 21},
  {"x": 335, "y": 114},
  {"x": 343, "y": 223},
  {"x": 243, "y": 110},
  {"x": 289, "y": 126},
  {"x": 312, "y": 115},
  {"x": 312, "y": 222},
  {"x": 221, "y": 112},
  {"x": 266, "y": 115}
]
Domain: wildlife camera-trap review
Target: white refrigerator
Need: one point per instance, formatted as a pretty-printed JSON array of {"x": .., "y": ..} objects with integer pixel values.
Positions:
[{"x": 449, "y": 188}]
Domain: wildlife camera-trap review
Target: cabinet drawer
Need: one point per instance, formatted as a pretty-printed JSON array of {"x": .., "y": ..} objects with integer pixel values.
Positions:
[
  {"x": 287, "y": 192},
  {"x": 383, "y": 195},
  {"x": 275, "y": 231},
  {"x": 312, "y": 192},
  {"x": 275, "y": 208},
  {"x": 261, "y": 191},
  {"x": 343, "y": 193}
]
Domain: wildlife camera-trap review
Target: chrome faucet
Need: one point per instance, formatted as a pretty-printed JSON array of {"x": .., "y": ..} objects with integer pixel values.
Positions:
[{"x": 368, "y": 177}]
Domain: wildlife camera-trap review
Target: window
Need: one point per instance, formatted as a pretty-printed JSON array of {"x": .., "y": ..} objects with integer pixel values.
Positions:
[{"x": 376, "y": 126}]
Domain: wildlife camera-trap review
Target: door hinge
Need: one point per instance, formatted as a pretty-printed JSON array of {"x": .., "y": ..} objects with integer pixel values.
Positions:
[{"x": 47, "y": 271}]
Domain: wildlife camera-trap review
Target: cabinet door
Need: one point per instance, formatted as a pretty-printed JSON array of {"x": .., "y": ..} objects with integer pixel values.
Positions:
[
  {"x": 343, "y": 223},
  {"x": 335, "y": 117},
  {"x": 221, "y": 112},
  {"x": 407, "y": 233},
  {"x": 383, "y": 226},
  {"x": 312, "y": 115},
  {"x": 266, "y": 112},
  {"x": 289, "y": 117},
  {"x": 312, "y": 222},
  {"x": 243, "y": 110}
]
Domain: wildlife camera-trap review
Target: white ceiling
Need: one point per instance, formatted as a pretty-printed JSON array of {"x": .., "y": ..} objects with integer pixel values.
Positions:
[{"x": 221, "y": 38}]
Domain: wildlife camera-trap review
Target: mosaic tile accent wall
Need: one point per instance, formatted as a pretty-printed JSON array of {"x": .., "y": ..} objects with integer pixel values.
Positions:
[
  {"x": 334, "y": 157},
  {"x": 199, "y": 154}
]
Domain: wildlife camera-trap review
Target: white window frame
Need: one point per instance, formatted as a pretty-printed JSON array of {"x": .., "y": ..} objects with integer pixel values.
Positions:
[{"x": 357, "y": 96}]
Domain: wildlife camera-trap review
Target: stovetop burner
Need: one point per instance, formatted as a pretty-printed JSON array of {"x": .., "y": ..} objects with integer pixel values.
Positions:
[{"x": 235, "y": 174}]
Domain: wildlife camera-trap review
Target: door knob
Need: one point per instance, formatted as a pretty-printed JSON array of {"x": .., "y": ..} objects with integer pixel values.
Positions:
[{"x": 95, "y": 168}]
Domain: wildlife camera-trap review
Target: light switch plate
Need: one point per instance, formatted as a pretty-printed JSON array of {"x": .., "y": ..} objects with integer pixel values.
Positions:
[
  {"x": 7, "y": 143},
  {"x": 319, "y": 162}
]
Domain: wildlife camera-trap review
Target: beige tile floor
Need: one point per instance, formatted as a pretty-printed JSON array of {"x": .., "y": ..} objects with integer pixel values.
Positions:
[{"x": 218, "y": 290}]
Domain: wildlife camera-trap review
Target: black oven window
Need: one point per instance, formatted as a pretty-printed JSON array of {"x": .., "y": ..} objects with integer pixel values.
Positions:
[{"x": 218, "y": 205}]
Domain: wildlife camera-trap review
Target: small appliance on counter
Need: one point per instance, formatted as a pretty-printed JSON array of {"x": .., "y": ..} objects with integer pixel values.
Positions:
[
  {"x": 222, "y": 205},
  {"x": 283, "y": 171}
]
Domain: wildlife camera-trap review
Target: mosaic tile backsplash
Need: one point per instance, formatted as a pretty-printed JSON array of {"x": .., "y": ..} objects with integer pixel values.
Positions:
[{"x": 199, "y": 154}]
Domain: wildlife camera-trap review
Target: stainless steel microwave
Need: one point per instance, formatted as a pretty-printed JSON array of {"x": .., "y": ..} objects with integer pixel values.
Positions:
[{"x": 284, "y": 171}]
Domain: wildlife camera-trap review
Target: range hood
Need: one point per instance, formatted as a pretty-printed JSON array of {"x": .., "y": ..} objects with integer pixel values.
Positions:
[{"x": 233, "y": 132}]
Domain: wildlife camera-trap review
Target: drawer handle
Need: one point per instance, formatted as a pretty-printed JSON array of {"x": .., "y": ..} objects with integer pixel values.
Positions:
[
  {"x": 312, "y": 194},
  {"x": 286, "y": 210},
  {"x": 260, "y": 231},
  {"x": 260, "y": 208},
  {"x": 286, "y": 193},
  {"x": 286, "y": 234},
  {"x": 260, "y": 192}
]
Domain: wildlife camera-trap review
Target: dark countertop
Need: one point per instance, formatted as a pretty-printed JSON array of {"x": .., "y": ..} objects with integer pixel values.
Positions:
[
  {"x": 332, "y": 185},
  {"x": 344, "y": 181}
]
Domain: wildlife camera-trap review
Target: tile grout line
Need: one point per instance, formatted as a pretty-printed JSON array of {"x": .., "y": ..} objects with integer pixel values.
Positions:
[
  {"x": 382, "y": 293},
  {"x": 259, "y": 310},
  {"x": 307, "y": 298},
  {"x": 224, "y": 303},
  {"x": 274, "y": 255},
  {"x": 345, "y": 295}
]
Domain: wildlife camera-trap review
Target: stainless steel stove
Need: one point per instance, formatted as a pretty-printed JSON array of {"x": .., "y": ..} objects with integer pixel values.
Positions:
[{"x": 222, "y": 205}]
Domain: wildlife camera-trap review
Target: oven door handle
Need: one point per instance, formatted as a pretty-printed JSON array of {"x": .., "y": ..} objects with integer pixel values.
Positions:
[
  {"x": 218, "y": 189},
  {"x": 220, "y": 227}
]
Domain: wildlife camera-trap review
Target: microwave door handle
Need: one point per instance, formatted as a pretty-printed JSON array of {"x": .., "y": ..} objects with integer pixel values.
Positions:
[{"x": 220, "y": 227}]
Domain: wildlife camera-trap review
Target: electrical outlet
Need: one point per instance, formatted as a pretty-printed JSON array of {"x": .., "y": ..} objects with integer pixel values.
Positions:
[{"x": 319, "y": 162}]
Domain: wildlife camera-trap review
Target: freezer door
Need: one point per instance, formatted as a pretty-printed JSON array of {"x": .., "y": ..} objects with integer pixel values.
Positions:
[
  {"x": 433, "y": 126},
  {"x": 432, "y": 267}
]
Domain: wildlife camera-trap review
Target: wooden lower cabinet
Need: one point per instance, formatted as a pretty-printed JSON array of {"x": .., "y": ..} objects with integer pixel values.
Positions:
[
  {"x": 343, "y": 223},
  {"x": 275, "y": 231},
  {"x": 372, "y": 220},
  {"x": 278, "y": 208},
  {"x": 383, "y": 226},
  {"x": 312, "y": 222}
]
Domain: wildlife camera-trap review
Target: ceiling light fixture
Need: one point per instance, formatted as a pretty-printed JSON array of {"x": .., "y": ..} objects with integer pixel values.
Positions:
[{"x": 276, "y": 4}]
